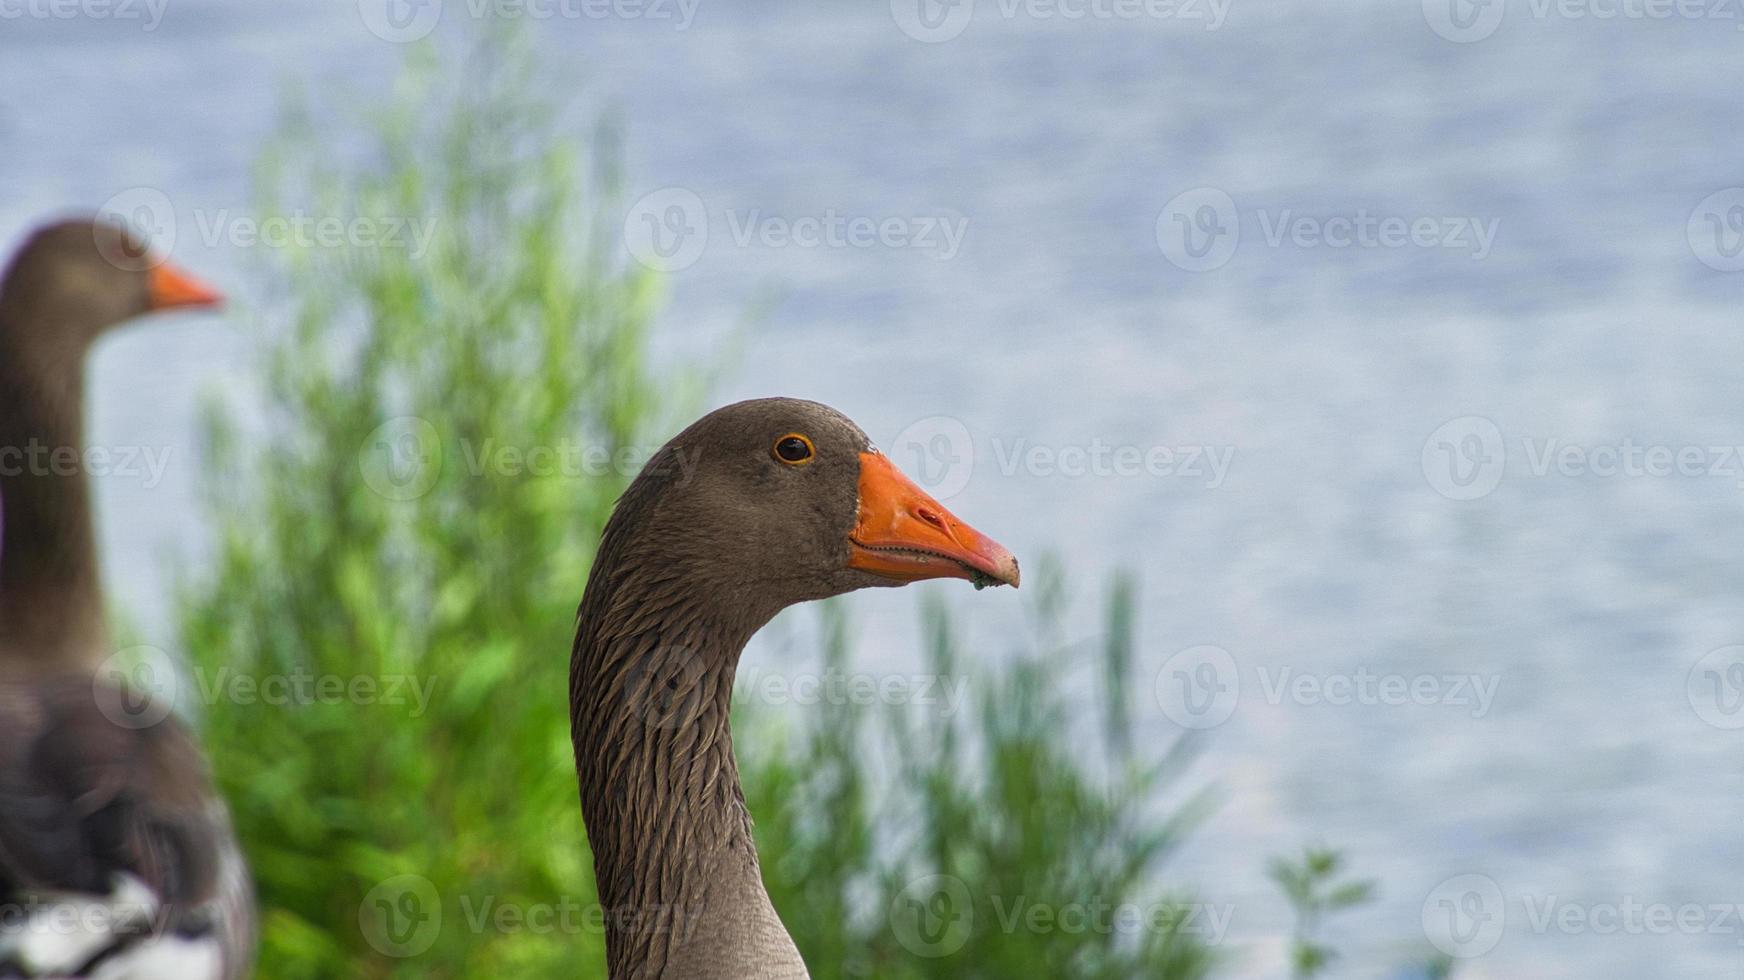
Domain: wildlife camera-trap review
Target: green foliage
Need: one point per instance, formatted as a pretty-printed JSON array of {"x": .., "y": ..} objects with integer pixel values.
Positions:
[
  {"x": 1009, "y": 857},
  {"x": 366, "y": 531},
  {"x": 1316, "y": 889}
]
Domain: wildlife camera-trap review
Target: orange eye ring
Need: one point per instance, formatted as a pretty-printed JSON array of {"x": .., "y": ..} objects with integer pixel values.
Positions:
[{"x": 793, "y": 449}]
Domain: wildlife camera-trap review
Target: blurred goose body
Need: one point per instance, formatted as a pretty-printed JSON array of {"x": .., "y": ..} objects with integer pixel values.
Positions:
[
  {"x": 756, "y": 507},
  {"x": 116, "y": 857}
]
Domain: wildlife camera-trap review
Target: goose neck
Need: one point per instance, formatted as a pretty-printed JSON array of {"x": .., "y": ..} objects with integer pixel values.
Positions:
[
  {"x": 651, "y": 695},
  {"x": 50, "y": 593}
]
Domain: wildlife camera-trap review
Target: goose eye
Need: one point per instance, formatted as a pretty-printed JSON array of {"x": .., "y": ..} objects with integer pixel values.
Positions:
[{"x": 793, "y": 449}]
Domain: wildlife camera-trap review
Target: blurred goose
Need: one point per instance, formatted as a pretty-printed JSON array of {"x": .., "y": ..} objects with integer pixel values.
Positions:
[
  {"x": 755, "y": 507},
  {"x": 116, "y": 858}
]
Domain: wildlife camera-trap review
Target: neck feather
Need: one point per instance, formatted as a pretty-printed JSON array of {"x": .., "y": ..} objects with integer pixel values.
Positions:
[
  {"x": 651, "y": 679},
  {"x": 51, "y": 609}
]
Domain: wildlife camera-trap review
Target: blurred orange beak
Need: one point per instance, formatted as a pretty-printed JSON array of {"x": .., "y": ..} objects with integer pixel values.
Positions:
[
  {"x": 905, "y": 535},
  {"x": 170, "y": 287}
]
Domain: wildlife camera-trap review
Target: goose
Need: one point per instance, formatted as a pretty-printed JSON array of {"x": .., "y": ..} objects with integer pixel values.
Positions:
[
  {"x": 116, "y": 857},
  {"x": 757, "y": 506}
]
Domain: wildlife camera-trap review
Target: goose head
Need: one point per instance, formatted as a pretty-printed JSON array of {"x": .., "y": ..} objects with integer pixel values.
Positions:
[
  {"x": 778, "y": 501},
  {"x": 73, "y": 281}
]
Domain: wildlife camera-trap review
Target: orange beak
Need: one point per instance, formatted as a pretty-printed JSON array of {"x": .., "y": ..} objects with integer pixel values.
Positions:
[
  {"x": 170, "y": 287},
  {"x": 903, "y": 534}
]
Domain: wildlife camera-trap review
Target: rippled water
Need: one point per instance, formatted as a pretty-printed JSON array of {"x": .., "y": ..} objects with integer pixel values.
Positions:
[{"x": 1092, "y": 165}]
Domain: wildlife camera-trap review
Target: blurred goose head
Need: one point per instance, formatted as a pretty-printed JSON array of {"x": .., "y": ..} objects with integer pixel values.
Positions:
[{"x": 73, "y": 281}]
